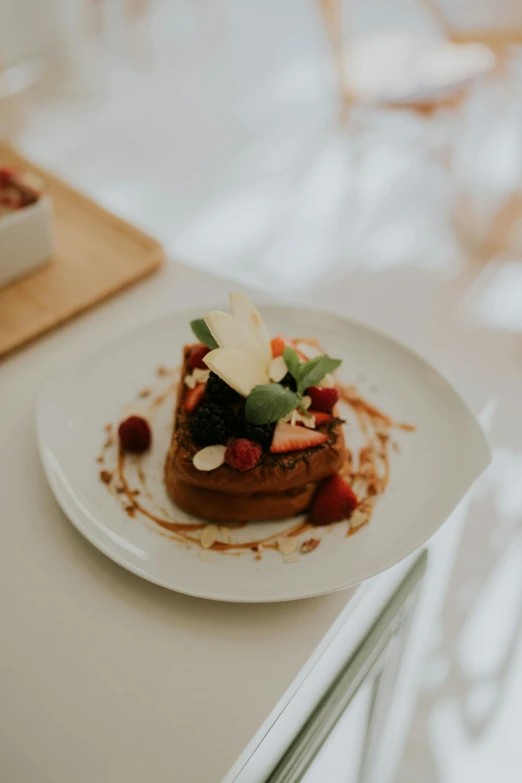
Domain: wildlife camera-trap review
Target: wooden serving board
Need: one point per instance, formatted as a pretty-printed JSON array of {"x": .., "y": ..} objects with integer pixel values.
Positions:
[{"x": 97, "y": 254}]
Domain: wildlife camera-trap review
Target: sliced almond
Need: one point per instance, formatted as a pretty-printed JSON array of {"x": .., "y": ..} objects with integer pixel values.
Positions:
[
  {"x": 286, "y": 545},
  {"x": 190, "y": 381},
  {"x": 209, "y": 458},
  {"x": 225, "y": 534},
  {"x": 209, "y": 536},
  {"x": 358, "y": 519},
  {"x": 277, "y": 369},
  {"x": 200, "y": 375},
  {"x": 309, "y": 545},
  {"x": 306, "y": 402},
  {"x": 328, "y": 381}
]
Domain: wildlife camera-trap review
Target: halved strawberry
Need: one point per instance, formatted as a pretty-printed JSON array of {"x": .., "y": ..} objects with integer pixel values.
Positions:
[
  {"x": 323, "y": 399},
  {"x": 334, "y": 501},
  {"x": 196, "y": 356},
  {"x": 320, "y": 417},
  {"x": 279, "y": 344},
  {"x": 194, "y": 397},
  {"x": 291, "y": 437}
]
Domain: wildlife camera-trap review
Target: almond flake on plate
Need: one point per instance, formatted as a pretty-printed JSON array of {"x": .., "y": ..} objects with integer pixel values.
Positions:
[
  {"x": 310, "y": 545},
  {"x": 286, "y": 545},
  {"x": 291, "y": 558},
  {"x": 209, "y": 536},
  {"x": 225, "y": 534},
  {"x": 358, "y": 518}
]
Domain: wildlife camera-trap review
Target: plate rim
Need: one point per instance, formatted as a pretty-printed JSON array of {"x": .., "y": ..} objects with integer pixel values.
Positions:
[{"x": 73, "y": 512}]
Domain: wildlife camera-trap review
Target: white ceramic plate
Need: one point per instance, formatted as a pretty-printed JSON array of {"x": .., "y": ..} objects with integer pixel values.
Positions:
[{"x": 435, "y": 466}]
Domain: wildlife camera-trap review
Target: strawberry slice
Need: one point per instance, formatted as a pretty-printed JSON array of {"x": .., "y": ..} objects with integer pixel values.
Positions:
[
  {"x": 278, "y": 345},
  {"x": 334, "y": 501},
  {"x": 291, "y": 437},
  {"x": 320, "y": 417},
  {"x": 194, "y": 397},
  {"x": 323, "y": 399}
]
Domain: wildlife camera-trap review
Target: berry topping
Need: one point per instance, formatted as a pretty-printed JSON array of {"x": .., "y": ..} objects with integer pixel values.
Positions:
[
  {"x": 135, "y": 435},
  {"x": 289, "y": 382},
  {"x": 212, "y": 424},
  {"x": 323, "y": 399},
  {"x": 290, "y": 437},
  {"x": 243, "y": 454},
  {"x": 260, "y": 433},
  {"x": 278, "y": 345},
  {"x": 334, "y": 501},
  {"x": 193, "y": 397},
  {"x": 320, "y": 417},
  {"x": 220, "y": 392},
  {"x": 195, "y": 359}
]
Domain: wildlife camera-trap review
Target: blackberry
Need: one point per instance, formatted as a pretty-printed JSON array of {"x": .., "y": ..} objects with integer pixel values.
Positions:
[
  {"x": 289, "y": 382},
  {"x": 220, "y": 392},
  {"x": 259, "y": 433},
  {"x": 212, "y": 424}
]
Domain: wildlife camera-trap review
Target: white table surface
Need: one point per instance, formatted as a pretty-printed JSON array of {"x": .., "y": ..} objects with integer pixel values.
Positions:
[{"x": 106, "y": 677}]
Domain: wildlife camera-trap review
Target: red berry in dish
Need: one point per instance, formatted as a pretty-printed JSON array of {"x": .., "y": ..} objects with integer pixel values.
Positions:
[
  {"x": 197, "y": 353},
  {"x": 243, "y": 454},
  {"x": 323, "y": 399},
  {"x": 290, "y": 437},
  {"x": 320, "y": 417},
  {"x": 193, "y": 397},
  {"x": 135, "y": 435},
  {"x": 334, "y": 501}
]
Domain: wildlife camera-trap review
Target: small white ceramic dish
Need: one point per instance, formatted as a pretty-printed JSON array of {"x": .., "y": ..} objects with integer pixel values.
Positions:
[
  {"x": 435, "y": 467},
  {"x": 26, "y": 239}
]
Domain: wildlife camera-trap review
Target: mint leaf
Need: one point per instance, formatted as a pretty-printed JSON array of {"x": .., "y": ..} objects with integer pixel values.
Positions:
[
  {"x": 313, "y": 372},
  {"x": 292, "y": 362},
  {"x": 203, "y": 334},
  {"x": 269, "y": 402}
]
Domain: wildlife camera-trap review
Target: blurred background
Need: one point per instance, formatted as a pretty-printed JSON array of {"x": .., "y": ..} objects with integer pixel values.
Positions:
[{"x": 366, "y": 153}]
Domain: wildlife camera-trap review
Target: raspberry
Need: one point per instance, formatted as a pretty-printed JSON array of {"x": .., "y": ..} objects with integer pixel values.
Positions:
[
  {"x": 334, "y": 501},
  {"x": 195, "y": 359},
  {"x": 323, "y": 399},
  {"x": 243, "y": 454},
  {"x": 212, "y": 424},
  {"x": 135, "y": 435},
  {"x": 220, "y": 392},
  {"x": 259, "y": 433}
]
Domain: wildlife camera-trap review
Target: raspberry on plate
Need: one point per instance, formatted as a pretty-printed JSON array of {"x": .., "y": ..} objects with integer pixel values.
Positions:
[
  {"x": 334, "y": 501},
  {"x": 135, "y": 435},
  {"x": 196, "y": 356},
  {"x": 243, "y": 454},
  {"x": 323, "y": 399}
]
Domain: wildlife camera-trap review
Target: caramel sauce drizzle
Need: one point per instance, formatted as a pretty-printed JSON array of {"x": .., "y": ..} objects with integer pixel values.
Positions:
[{"x": 368, "y": 473}]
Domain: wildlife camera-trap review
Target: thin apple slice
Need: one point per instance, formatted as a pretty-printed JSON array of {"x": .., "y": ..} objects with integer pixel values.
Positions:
[
  {"x": 230, "y": 332},
  {"x": 243, "y": 309},
  {"x": 239, "y": 369}
]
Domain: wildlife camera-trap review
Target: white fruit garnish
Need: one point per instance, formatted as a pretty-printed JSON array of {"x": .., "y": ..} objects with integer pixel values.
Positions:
[
  {"x": 277, "y": 369},
  {"x": 190, "y": 381},
  {"x": 230, "y": 332},
  {"x": 237, "y": 368},
  {"x": 328, "y": 381},
  {"x": 200, "y": 375},
  {"x": 209, "y": 458},
  {"x": 243, "y": 309}
]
